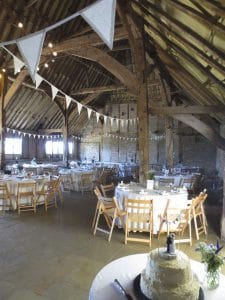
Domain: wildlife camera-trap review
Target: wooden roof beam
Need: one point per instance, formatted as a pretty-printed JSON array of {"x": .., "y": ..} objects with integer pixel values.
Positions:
[
  {"x": 192, "y": 109},
  {"x": 125, "y": 76},
  {"x": 100, "y": 89},
  {"x": 15, "y": 86},
  {"x": 202, "y": 128}
]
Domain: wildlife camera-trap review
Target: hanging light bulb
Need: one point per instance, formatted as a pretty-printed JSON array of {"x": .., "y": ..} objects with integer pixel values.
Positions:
[
  {"x": 50, "y": 45},
  {"x": 54, "y": 53},
  {"x": 46, "y": 65},
  {"x": 20, "y": 25},
  {"x": 4, "y": 70}
]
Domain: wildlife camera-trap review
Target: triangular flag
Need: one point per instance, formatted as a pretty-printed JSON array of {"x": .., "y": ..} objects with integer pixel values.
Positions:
[
  {"x": 68, "y": 101},
  {"x": 38, "y": 80},
  {"x": 79, "y": 107},
  {"x": 101, "y": 17},
  {"x": 111, "y": 119},
  {"x": 18, "y": 64},
  {"x": 97, "y": 116},
  {"x": 30, "y": 48},
  {"x": 89, "y": 112},
  {"x": 105, "y": 119},
  {"x": 54, "y": 91}
]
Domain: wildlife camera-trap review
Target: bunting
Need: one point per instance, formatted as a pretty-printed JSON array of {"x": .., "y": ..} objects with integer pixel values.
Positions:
[
  {"x": 89, "y": 112},
  {"x": 79, "y": 107},
  {"x": 68, "y": 101},
  {"x": 54, "y": 91},
  {"x": 38, "y": 80},
  {"x": 30, "y": 48},
  {"x": 101, "y": 17},
  {"x": 18, "y": 64}
]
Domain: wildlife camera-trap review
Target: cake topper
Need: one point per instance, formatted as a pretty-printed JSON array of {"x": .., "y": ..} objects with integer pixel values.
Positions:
[{"x": 170, "y": 244}]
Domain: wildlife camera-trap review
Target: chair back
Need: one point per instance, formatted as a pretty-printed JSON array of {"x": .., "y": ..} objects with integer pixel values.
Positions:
[
  {"x": 25, "y": 189},
  {"x": 139, "y": 213},
  {"x": 107, "y": 190},
  {"x": 166, "y": 181}
]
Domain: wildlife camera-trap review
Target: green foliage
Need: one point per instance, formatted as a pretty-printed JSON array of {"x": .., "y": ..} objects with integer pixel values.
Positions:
[
  {"x": 151, "y": 176},
  {"x": 210, "y": 256}
]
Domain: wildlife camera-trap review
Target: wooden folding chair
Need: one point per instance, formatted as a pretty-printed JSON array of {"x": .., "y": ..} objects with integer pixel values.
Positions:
[
  {"x": 111, "y": 211},
  {"x": 5, "y": 197},
  {"x": 26, "y": 196},
  {"x": 198, "y": 214},
  {"x": 86, "y": 183},
  {"x": 176, "y": 220},
  {"x": 139, "y": 218},
  {"x": 107, "y": 190},
  {"x": 166, "y": 182},
  {"x": 48, "y": 193},
  {"x": 100, "y": 198}
]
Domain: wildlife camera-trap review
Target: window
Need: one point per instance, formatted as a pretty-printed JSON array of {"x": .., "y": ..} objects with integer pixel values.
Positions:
[
  {"x": 56, "y": 147},
  {"x": 13, "y": 146}
]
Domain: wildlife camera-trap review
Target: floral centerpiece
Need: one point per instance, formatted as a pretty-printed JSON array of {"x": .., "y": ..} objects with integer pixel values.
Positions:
[
  {"x": 213, "y": 261},
  {"x": 150, "y": 180}
]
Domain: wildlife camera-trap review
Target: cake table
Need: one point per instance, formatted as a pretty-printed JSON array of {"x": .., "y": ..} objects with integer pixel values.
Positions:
[{"x": 126, "y": 269}]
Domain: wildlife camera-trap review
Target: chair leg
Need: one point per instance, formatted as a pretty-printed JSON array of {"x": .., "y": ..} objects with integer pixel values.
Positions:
[
  {"x": 196, "y": 226},
  {"x": 112, "y": 227},
  {"x": 95, "y": 215},
  {"x": 97, "y": 220}
]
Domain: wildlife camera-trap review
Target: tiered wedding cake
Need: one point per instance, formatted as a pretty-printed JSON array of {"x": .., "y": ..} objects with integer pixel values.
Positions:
[{"x": 169, "y": 276}]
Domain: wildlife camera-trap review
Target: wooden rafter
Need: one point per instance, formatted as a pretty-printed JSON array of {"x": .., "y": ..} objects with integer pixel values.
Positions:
[
  {"x": 125, "y": 76},
  {"x": 190, "y": 109}
]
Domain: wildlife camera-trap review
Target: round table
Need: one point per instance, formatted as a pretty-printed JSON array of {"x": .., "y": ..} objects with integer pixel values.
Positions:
[
  {"x": 125, "y": 269},
  {"x": 159, "y": 197}
]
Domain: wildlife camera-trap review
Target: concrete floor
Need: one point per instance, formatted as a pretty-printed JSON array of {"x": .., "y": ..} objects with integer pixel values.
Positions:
[{"x": 54, "y": 256}]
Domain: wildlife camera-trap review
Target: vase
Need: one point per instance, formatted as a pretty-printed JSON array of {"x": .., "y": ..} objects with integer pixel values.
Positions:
[
  {"x": 212, "y": 279},
  {"x": 150, "y": 184}
]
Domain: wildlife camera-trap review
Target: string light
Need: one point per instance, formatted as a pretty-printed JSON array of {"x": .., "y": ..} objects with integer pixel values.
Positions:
[
  {"x": 20, "y": 25},
  {"x": 3, "y": 70},
  {"x": 50, "y": 45},
  {"x": 46, "y": 65},
  {"x": 54, "y": 53}
]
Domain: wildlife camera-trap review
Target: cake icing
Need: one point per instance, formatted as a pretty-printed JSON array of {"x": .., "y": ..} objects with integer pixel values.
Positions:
[{"x": 169, "y": 277}]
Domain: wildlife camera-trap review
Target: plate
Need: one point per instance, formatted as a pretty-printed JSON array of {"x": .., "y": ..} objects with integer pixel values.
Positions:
[{"x": 140, "y": 296}]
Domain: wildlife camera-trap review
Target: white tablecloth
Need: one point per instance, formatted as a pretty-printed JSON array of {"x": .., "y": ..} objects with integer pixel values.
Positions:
[
  {"x": 76, "y": 175},
  {"x": 160, "y": 198},
  {"x": 12, "y": 182},
  {"x": 125, "y": 269}
]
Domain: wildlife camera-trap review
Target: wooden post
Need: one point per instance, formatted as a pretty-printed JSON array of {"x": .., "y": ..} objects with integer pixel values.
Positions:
[
  {"x": 2, "y": 119},
  {"x": 223, "y": 211},
  {"x": 169, "y": 143},
  {"x": 65, "y": 140},
  {"x": 143, "y": 133}
]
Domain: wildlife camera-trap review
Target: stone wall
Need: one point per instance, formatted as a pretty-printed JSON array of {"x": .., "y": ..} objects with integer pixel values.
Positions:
[{"x": 109, "y": 142}]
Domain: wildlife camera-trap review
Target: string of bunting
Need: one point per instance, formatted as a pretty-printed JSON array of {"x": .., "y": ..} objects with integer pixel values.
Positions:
[
  {"x": 80, "y": 106},
  {"x": 37, "y": 135},
  {"x": 99, "y": 15}
]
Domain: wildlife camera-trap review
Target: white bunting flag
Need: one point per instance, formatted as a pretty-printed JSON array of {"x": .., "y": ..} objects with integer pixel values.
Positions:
[
  {"x": 38, "y": 80},
  {"x": 68, "y": 101},
  {"x": 111, "y": 119},
  {"x": 13, "y": 131},
  {"x": 101, "y": 17},
  {"x": 54, "y": 91},
  {"x": 7, "y": 129},
  {"x": 105, "y": 119},
  {"x": 89, "y": 112},
  {"x": 97, "y": 116},
  {"x": 18, "y": 64},
  {"x": 30, "y": 48},
  {"x": 79, "y": 107}
]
